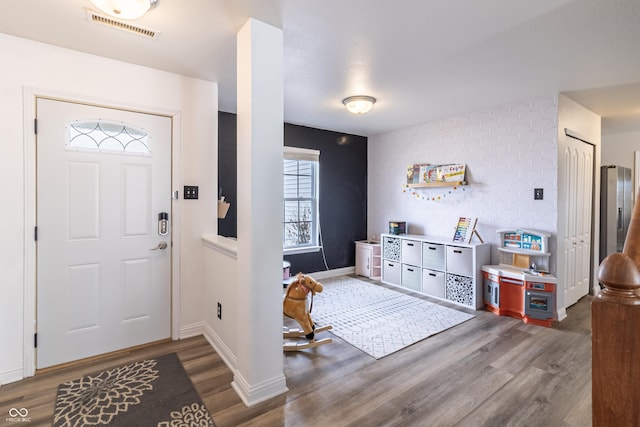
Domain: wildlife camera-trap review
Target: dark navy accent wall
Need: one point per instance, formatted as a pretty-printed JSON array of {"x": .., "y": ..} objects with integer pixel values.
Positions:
[
  {"x": 227, "y": 177},
  {"x": 343, "y": 190}
]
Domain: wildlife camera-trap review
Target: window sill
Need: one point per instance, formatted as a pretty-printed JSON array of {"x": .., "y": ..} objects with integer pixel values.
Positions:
[{"x": 305, "y": 250}]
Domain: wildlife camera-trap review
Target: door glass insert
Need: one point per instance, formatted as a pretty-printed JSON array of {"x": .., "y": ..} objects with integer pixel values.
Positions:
[{"x": 107, "y": 137}]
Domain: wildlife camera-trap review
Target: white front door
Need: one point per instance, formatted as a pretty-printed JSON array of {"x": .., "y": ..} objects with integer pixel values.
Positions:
[
  {"x": 103, "y": 271},
  {"x": 576, "y": 170}
]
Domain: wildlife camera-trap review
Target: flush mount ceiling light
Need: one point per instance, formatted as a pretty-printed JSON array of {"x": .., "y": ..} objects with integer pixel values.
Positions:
[
  {"x": 125, "y": 9},
  {"x": 359, "y": 104}
]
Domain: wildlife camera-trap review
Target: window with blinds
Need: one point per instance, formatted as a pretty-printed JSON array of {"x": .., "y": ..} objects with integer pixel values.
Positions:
[{"x": 300, "y": 199}]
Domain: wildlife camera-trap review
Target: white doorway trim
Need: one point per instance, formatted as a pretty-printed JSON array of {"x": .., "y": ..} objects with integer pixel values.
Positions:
[{"x": 29, "y": 145}]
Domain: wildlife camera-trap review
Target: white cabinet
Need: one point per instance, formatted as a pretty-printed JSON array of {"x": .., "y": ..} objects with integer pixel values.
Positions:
[
  {"x": 368, "y": 259},
  {"x": 437, "y": 267}
]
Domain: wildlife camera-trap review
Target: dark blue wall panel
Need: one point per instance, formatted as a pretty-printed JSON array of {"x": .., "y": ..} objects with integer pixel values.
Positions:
[{"x": 343, "y": 190}]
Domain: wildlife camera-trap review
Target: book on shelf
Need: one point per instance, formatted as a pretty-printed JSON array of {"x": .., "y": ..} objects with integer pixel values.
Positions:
[{"x": 428, "y": 174}]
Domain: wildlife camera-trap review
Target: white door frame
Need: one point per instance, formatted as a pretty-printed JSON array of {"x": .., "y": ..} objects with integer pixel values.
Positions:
[{"x": 29, "y": 286}]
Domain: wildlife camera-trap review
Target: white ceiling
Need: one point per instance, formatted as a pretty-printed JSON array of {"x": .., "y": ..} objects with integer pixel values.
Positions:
[{"x": 422, "y": 59}]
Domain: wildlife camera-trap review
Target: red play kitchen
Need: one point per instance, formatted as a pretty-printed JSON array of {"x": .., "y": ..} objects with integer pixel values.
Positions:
[{"x": 520, "y": 285}]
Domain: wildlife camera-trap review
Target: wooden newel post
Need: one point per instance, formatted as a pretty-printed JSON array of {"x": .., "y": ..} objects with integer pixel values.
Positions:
[{"x": 615, "y": 326}]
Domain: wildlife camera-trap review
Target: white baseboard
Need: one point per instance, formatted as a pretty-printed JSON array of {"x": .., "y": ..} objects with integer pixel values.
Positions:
[
  {"x": 319, "y": 275},
  {"x": 562, "y": 314},
  {"x": 221, "y": 348},
  {"x": 252, "y": 395},
  {"x": 202, "y": 328},
  {"x": 11, "y": 376},
  {"x": 192, "y": 330}
]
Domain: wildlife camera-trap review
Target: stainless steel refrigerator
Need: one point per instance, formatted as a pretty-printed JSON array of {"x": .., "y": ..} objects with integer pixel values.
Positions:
[{"x": 616, "y": 202}]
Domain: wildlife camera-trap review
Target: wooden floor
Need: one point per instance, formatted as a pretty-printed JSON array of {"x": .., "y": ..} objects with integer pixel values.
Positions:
[{"x": 489, "y": 371}]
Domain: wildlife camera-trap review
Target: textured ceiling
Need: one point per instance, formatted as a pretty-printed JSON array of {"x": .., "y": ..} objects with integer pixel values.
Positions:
[{"x": 422, "y": 60}]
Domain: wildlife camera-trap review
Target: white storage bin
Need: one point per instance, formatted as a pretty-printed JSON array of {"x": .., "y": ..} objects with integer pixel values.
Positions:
[
  {"x": 411, "y": 252},
  {"x": 460, "y": 260},
  {"x": 433, "y": 256},
  {"x": 391, "y": 248},
  {"x": 391, "y": 272},
  {"x": 411, "y": 277},
  {"x": 433, "y": 283},
  {"x": 460, "y": 289}
]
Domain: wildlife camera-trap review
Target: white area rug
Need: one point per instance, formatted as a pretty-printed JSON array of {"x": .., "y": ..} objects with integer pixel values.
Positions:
[{"x": 377, "y": 320}]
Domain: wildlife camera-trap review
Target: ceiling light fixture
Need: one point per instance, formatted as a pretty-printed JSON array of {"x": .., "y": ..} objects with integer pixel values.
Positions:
[
  {"x": 359, "y": 104},
  {"x": 125, "y": 9}
]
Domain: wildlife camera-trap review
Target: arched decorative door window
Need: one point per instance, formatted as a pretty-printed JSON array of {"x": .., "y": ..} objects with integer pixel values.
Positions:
[{"x": 107, "y": 137}]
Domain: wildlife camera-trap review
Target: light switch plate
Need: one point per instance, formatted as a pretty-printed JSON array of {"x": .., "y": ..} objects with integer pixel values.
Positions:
[
  {"x": 190, "y": 192},
  {"x": 538, "y": 193}
]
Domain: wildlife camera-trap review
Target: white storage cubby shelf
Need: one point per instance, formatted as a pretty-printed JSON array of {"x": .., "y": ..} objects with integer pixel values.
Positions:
[{"x": 437, "y": 267}]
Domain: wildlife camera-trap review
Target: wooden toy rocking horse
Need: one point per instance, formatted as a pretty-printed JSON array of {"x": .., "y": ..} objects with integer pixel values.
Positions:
[{"x": 295, "y": 307}]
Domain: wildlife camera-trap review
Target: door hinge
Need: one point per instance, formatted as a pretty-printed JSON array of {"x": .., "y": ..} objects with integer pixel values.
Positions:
[
  {"x": 35, "y": 340},
  {"x": 35, "y": 233},
  {"x": 35, "y": 126}
]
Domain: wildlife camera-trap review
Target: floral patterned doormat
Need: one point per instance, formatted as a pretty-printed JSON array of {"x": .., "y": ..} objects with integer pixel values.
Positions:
[
  {"x": 377, "y": 320},
  {"x": 153, "y": 392}
]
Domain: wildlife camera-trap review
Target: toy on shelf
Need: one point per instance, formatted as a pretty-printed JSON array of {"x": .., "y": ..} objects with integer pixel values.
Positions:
[
  {"x": 296, "y": 306},
  {"x": 465, "y": 230}
]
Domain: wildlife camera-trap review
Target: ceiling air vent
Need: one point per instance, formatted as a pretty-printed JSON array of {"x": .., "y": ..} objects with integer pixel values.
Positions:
[{"x": 124, "y": 26}]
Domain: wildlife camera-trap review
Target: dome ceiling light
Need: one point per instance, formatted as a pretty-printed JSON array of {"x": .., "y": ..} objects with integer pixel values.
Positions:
[
  {"x": 359, "y": 104},
  {"x": 125, "y": 9}
]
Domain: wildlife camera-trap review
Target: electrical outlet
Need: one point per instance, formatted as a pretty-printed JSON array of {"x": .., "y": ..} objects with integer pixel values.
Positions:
[
  {"x": 191, "y": 192},
  {"x": 219, "y": 311},
  {"x": 538, "y": 193}
]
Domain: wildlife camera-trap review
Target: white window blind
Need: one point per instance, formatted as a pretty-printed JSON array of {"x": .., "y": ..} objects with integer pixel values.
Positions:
[
  {"x": 301, "y": 167},
  {"x": 295, "y": 153}
]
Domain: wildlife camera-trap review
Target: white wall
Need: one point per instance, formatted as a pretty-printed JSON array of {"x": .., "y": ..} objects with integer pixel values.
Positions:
[
  {"x": 221, "y": 267},
  {"x": 37, "y": 67},
  {"x": 618, "y": 148},
  {"x": 509, "y": 150}
]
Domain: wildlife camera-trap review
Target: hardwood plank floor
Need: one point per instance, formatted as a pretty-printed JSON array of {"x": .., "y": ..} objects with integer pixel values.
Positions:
[{"x": 489, "y": 371}]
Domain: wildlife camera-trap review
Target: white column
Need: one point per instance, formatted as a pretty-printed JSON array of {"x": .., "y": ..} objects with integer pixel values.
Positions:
[{"x": 259, "y": 374}]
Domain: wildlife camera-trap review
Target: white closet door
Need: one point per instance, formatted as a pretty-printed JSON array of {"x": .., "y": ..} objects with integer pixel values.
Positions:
[{"x": 577, "y": 173}]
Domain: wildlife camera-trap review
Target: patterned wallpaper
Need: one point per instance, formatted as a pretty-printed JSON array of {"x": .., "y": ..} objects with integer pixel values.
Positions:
[{"x": 508, "y": 151}]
